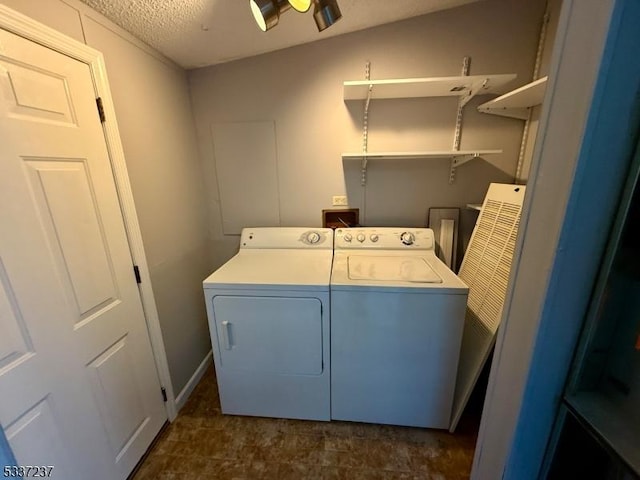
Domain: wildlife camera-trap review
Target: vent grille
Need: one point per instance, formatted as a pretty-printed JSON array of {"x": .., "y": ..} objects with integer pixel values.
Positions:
[
  {"x": 485, "y": 269},
  {"x": 487, "y": 263}
]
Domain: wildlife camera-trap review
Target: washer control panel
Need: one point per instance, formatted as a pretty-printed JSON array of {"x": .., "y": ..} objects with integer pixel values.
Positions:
[{"x": 384, "y": 238}]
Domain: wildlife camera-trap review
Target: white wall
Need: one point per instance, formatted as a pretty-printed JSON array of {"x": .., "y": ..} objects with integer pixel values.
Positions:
[
  {"x": 553, "y": 9},
  {"x": 301, "y": 90},
  {"x": 153, "y": 111}
]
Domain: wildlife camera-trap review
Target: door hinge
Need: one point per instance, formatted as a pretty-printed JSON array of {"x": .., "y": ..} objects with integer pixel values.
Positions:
[
  {"x": 136, "y": 272},
  {"x": 164, "y": 393},
  {"x": 100, "y": 109}
]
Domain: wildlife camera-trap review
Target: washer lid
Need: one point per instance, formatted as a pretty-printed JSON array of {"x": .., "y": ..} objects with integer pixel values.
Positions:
[{"x": 393, "y": 268}]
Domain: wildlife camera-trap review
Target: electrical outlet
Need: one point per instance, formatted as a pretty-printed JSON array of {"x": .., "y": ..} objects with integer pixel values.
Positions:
[{"x": 340, "y": 201}]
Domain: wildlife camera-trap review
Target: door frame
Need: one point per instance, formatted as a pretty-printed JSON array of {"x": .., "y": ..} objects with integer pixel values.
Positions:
[
  {"x": 579, "y": 167},
  {"x": 30, "y": 29}
]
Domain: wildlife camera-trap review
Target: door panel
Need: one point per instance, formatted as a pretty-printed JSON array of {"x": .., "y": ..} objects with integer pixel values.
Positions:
[
  {"x": 114, "y": 385},
  {"x": 15, "y": 344},
  {"x": 36, "y": 440},
  {"x": 270, "y": 334},
  {"x": 78, "y": 351},
  {"x": 65, "y": 200},
  {"x": 32, "y": 93}
]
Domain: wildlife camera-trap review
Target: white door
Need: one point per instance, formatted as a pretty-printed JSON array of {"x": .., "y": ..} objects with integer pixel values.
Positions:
[{"x": 78, "y": 385}]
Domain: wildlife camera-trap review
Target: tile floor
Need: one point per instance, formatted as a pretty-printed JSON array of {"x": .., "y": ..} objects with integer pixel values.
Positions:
[{"x": 204, "y": 444}]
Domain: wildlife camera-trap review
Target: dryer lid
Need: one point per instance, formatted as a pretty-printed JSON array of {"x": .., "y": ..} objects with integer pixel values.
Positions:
[
  {"x": 295, "y": 269},
  {"x": 391, "y": 269}
]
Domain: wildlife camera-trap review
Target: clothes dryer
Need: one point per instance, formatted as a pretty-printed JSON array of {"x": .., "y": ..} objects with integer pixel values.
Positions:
[{"x": 268, "y": 310}]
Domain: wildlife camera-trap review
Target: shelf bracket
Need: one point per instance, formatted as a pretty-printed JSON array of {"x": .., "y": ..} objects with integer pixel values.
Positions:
[
  {"x": 462, "y": 159},
  {"x": 527, "y": 123},
  {"x": 476, "y": 88},
  {"x": 365, "y": 126},
  {"x": 466, "y": 61}
]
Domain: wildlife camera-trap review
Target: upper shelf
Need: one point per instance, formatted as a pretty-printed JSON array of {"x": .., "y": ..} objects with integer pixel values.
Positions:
[
  {"x": 458, "y": 157},
  {"x": 516, "y": 104},
  {"x": 422, "y": 154},
  {"x": 462, "y": 86}
]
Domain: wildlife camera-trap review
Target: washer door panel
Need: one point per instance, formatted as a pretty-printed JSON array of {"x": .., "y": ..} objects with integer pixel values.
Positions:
[{"x": 280, "y": 335}]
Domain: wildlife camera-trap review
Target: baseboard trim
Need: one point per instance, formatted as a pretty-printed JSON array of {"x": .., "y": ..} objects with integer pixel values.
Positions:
[{"x": 185, "y": 393}]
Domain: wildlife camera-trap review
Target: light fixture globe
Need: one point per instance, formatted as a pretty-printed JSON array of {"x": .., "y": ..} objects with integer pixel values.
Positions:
[
  {"x": 300, "y": 5},
  {"x": 326, "y": 13},
  {"x": 267, "y": 12}
]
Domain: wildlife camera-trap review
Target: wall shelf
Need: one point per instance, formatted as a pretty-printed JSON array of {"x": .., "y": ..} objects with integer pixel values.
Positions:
[
  {"x": 466, "y": 86},
  {"x": 459, "y": 156},
  {"x": 516, "y": 104}
]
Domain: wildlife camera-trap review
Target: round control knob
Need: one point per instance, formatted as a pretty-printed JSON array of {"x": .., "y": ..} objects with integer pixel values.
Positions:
[
  {"x": 407, "y": 238},
  {"x": 347, "y": 237},
  {"x": 373, "y": 237},
  {"x": 361, "y": 237},
  {"x": 313, "y": 237}
]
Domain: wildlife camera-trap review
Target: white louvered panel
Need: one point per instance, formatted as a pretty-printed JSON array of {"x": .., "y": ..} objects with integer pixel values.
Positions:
[
  {"x": 473, "y": 270},
  {"x": 485, "y": 269},
  {"x": 481, "y": 235}
]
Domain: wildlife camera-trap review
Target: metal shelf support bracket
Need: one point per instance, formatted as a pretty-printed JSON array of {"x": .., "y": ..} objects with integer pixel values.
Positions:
[
  {"x": 365, "y": 126},
  {"x": 466, "y": 61},
  {"x": 462, "y": 159}
]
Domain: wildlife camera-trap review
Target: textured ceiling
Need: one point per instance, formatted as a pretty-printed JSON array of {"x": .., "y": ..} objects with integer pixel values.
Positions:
[{"x": 196, "y": 33}]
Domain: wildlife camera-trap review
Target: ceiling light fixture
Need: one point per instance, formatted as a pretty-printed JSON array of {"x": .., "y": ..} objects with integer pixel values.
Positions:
[
  {"x": 301, "y": 5},
  {"x": 326, "y": 13},
  {"x": 267, "y": 12}
]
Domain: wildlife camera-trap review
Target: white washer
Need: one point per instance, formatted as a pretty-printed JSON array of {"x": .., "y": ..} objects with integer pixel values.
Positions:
[
  {"x": 397, "y": 315},
  {"x": 268, "y": 310}
]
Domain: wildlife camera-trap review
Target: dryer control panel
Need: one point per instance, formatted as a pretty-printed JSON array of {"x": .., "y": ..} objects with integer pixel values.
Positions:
[
  {"x": 286, "y": 238},
  {"x": 384, "y": 238}
]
